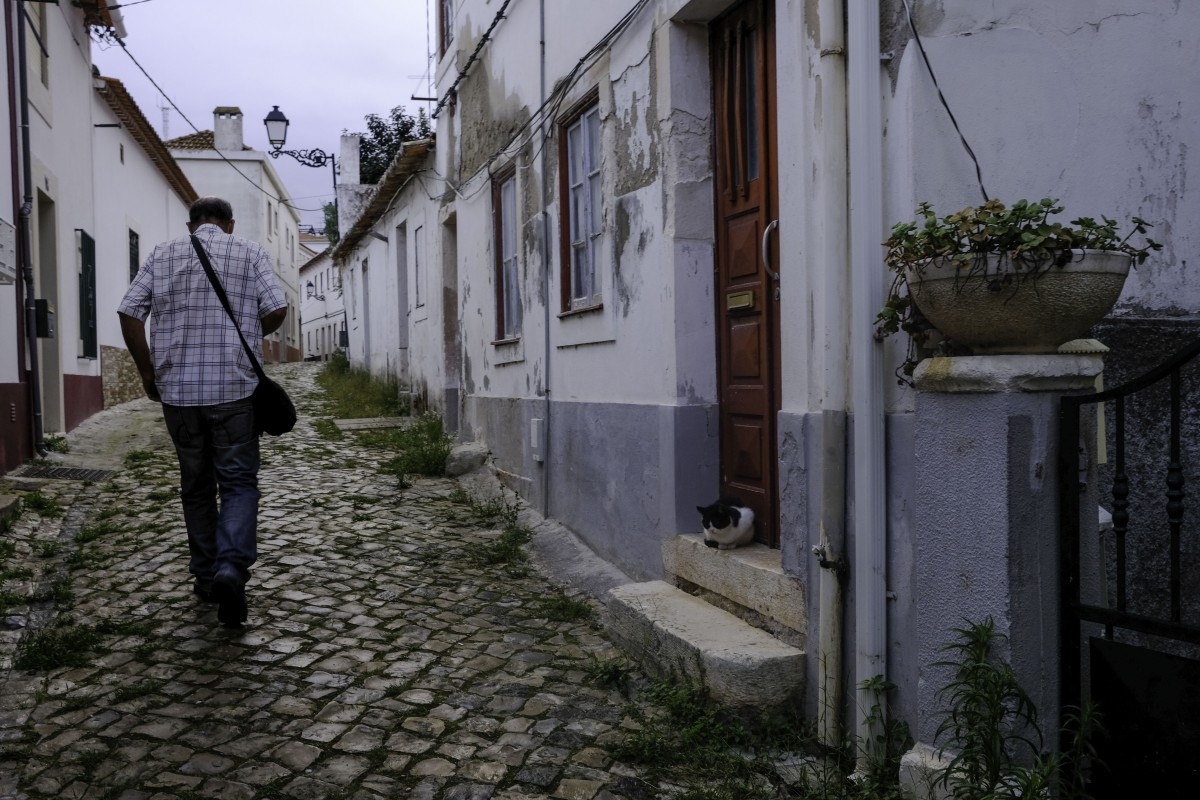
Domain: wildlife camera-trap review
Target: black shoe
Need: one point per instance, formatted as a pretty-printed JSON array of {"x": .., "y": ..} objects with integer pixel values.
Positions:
[
  {"x": 231, "y": 602},
  {"x": 204, "y": 591}
]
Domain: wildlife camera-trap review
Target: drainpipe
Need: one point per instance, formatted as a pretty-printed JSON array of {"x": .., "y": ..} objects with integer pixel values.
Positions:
[
  {"x": 867, "y": 285},
  {"x": 35, "y": 386},
  {"x": 546, "y": 265},
  {"x": 831, "y": 552}
]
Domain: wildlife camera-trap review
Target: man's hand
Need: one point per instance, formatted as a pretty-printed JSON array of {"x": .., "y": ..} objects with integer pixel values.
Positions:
[
  {"x": 151, "y": 388},
  {"x": 134, "y": 333},
  {"x": 272, "y": 321}
]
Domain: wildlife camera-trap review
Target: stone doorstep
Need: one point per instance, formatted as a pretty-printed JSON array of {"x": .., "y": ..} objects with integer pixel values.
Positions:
[
  {"x": 670, "y": 632},
  {"x": 751, "y": 577},
  {"x": 920, "y": 771},
  {"x": 370, "y": 423}
]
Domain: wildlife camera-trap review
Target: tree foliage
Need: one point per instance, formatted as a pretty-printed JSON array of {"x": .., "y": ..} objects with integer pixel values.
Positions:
[
  {"x": 384, "y": 137},
  {"x": 331, "y": 223}
]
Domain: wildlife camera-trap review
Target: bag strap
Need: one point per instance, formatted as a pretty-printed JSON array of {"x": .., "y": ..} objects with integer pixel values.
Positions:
[{"x": 220, "y": 290}]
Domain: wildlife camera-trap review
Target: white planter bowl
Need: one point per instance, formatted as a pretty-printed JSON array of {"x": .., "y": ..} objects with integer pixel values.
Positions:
[{"x": 1030, "y": 315}]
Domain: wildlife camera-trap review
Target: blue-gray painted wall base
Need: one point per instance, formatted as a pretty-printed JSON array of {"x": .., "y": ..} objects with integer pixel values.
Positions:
[
  {"x": 816, "y": 487},
  {"x": 986, "y": 531},
  {"x": 623, "y": 477}
]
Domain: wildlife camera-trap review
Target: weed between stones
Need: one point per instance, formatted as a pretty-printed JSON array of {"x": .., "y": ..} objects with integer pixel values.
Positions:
[{"x": 42, "y": 505}]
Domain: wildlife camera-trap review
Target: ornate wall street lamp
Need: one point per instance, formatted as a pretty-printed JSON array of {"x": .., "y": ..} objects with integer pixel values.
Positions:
[{"x": 277, "y": 125}]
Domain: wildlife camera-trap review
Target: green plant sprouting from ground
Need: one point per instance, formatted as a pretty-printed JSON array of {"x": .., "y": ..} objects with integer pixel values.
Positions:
[
  {"x": 355, "y": 393},
  {"x": 891, "y": 740},
  {"x": 559, "y": 606},
  {"x": 422, "y": 447},
  {"x": 506, "y": 550},
  {"x": 57, "y": 443},
  {"x": 40, "y": 504},
  {"x": 991, "y": 728},
  {"x": 66, "y": 644}
]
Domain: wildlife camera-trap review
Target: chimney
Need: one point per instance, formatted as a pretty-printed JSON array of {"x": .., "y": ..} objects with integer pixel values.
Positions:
[
  {"x": 348, "y": 165},
  {"x": 227, "y": 128}
]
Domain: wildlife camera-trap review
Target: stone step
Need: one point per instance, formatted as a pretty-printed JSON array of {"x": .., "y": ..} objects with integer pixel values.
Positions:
[
  {"x": 746, "y": 581},
  {"x": 670, "y": 632}
]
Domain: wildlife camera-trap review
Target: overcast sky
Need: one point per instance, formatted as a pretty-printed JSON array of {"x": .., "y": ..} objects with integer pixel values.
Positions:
[{"x": 325, "y": 63}]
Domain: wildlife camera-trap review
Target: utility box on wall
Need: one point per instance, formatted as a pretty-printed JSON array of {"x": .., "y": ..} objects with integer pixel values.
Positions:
[{"x": 44, "y": 319}]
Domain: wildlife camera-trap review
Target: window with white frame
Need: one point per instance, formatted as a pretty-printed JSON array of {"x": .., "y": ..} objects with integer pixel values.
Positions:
[
  {"x": 583, "y": 203},
  {"x": 504, "y": 224}
]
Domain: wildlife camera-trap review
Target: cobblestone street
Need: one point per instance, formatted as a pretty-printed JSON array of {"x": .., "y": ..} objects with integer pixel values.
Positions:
[{"x": 381, "y": 659}]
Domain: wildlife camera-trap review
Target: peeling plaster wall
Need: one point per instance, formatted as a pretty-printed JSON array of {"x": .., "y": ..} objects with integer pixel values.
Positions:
[
  {"x": 646, "y": 359},
  {"x": 1079, "y": 101}
]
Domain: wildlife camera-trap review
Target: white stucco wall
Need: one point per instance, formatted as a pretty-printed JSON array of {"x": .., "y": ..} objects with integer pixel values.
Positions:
[
  {"x": 61, "y": 141},
  {"x": 258, "y": 214},
  {"x": 1081, "y": 101},
  {"x": 131, "y": 195},
  {"x": 9, "y": 313}
]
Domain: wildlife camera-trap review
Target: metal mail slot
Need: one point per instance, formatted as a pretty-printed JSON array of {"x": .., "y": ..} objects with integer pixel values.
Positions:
[{"x": 735, "y": 301}]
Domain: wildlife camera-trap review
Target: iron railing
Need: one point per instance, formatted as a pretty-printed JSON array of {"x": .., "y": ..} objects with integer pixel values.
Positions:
[{"x": 1074, "y": 611}]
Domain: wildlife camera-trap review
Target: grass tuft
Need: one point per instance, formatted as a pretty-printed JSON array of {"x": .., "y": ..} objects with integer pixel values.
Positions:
[
  {"x": 558, "y": 606},
  {"x": 56, "y": 443},
  {"x": 356, "y": 393}
]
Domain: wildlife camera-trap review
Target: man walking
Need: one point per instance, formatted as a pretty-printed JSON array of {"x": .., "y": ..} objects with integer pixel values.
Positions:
[{"x": 196, "y": 367}]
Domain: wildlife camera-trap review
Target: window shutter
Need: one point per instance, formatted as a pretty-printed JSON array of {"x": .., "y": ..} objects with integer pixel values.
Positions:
[{"x": 87, "y": 295}]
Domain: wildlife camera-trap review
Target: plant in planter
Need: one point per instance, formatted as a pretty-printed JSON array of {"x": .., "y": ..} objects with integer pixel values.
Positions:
[{"x": 1004, "y": 279}]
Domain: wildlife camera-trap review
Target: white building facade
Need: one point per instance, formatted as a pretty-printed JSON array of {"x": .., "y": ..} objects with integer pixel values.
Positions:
[
  {"x": 219, "y": 163},
  {"x": 643, "y": 262},
  {"x": 142, "y": 199}
]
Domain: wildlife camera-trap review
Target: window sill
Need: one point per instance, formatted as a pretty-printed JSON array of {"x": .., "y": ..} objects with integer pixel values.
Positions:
[
  {"x": 508, "y": 351},
  {"x": 579, "y": 312}
]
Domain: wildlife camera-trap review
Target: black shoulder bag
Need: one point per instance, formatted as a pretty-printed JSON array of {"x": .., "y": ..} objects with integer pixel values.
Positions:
[{"x": 274, "y": 412}]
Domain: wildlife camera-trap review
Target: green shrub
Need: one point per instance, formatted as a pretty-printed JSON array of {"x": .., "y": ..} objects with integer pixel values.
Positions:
[{"x": 355, "y": 393}]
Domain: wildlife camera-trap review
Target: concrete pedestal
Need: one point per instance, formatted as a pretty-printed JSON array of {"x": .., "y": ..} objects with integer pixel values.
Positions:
[{"x": 986, "y": 514}]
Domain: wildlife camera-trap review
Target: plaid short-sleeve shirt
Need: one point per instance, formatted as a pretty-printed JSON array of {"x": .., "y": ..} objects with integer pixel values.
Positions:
[{"x": 198, "y": 357}]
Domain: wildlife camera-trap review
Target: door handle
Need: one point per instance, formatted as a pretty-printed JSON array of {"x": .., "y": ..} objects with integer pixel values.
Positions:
[{"x": 766, "y": 249}]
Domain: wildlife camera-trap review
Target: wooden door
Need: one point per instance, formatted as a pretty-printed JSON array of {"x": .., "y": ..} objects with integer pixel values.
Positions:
[{"x": 742, "y": 45}]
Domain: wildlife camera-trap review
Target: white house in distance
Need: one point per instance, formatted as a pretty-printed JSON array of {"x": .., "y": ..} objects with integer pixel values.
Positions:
[
  {"x": 322, "y": 312},
  {"x": 141, "y": 191},
  {"x": 395, "y": 300},
  {"x": 643, "y": 264},
  {"x": 219, "y": 163}
]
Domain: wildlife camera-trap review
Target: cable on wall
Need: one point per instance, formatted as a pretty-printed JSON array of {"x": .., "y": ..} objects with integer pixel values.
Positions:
[
  {"x": 925, "y": 57},
  {"x": 110, "y": 35}
]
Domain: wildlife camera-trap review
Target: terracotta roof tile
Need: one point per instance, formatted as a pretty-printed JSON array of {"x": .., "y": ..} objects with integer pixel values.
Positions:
[{"x": 200, "y": 140}]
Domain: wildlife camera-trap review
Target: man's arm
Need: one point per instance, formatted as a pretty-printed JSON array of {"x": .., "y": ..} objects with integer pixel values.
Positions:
[
  {"x": 134, "y": 331},
  {"x": 272, "y": 321}
]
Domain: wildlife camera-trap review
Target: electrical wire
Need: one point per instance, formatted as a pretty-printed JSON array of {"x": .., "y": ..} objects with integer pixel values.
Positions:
[
  {"x": 549, "y": 109},
  {"x": 112, "y": 35},
  {"x": 920, "y": 46},
  {"x": 462, "y": 73}
]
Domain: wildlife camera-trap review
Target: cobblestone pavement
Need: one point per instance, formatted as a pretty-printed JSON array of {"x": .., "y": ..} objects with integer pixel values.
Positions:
[{"x": 379, "y": 661}]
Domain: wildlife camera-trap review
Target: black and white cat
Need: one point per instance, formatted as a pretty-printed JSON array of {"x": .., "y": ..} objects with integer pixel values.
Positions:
[{"x": 727, "y": 523}]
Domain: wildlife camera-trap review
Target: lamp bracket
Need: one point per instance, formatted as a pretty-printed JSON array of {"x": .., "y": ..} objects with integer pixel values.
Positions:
[{"x": 309, "y": 158}]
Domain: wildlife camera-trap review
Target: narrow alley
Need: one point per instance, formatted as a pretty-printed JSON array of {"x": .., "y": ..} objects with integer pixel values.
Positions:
[{"x": 382, "y": 657}]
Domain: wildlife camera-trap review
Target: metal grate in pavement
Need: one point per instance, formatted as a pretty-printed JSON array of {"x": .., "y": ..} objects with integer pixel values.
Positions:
[{"x": 61, "y": 473}]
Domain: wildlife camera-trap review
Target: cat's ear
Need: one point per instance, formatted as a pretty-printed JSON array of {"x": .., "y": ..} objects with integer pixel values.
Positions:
[{"x": 701, "y": 509}]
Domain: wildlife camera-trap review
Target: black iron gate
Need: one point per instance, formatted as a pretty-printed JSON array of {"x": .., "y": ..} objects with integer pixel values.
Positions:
[{"x": 1130, "y": 638}]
